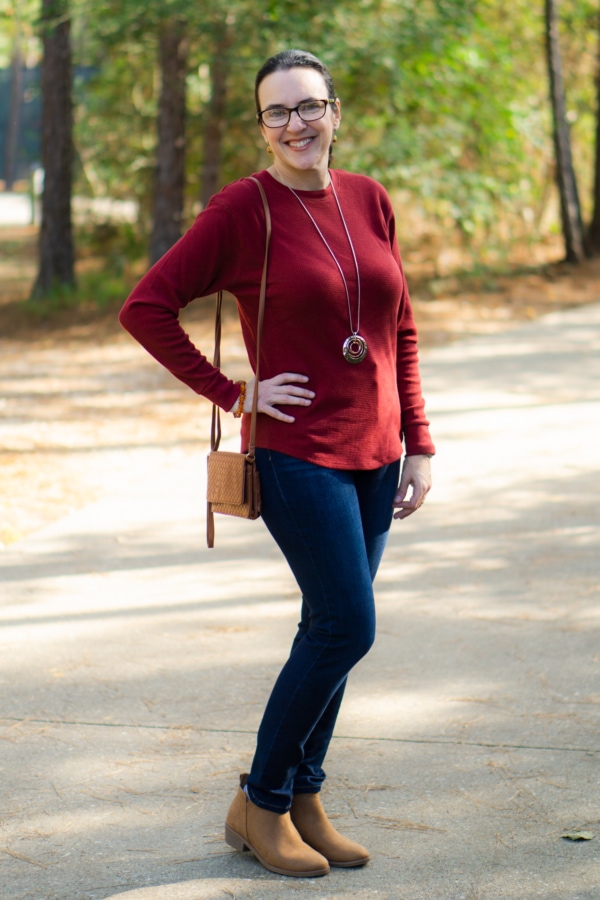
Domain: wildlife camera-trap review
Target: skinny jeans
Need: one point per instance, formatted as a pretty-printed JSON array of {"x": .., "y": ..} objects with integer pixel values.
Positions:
[{"x": 332, "y": 527}]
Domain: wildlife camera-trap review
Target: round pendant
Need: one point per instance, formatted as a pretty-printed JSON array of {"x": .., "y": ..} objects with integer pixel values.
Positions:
[{"x": 355, "y": 348}]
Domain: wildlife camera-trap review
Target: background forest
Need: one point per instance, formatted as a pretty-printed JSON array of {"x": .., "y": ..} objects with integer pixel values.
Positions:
[
  {"x": 150, "y": 110},
  {"x": 445, "y": 101}
]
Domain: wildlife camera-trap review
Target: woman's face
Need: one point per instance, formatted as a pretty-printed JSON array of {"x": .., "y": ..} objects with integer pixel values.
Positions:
[{"x": 300, "y": 149}]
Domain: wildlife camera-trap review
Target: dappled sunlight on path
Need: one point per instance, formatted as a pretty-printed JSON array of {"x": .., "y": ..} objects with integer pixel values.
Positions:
[{"x": 136, "y": 664}]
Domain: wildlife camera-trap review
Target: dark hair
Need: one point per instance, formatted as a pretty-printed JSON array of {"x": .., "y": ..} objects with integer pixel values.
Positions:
[{"x": 293, "y": 59}]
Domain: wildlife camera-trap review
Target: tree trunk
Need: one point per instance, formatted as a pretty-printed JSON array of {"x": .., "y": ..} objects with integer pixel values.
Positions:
[
  {"x": 169, "y": 182},
  {"x": 215, "y": 125},
  {"x": 593, "y": 236},
  {"x": 56, "y": 256},
  {"x": 11, "y": 151},
  {"x": 570, "y": 208}
]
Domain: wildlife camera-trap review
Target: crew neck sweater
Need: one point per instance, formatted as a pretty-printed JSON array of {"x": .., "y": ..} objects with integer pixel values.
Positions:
[{"x": 362, "y": 413}]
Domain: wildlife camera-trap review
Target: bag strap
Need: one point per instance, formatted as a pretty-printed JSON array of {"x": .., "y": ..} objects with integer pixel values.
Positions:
[
  {"x": 215, "y": 427},
  {"x": 261, "y": 316}
]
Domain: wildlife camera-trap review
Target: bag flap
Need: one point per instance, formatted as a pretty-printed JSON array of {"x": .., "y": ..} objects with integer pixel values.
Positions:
[{"x": 226, "y": 477}]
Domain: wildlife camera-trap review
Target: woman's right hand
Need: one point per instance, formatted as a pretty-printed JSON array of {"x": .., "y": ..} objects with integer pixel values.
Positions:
[{"x": 281, "y": 390}]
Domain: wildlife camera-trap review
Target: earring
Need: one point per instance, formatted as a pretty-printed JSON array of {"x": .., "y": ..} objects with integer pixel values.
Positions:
[
  {"x": 269, "y": 149},
  {"x": 334, "y": 138}
]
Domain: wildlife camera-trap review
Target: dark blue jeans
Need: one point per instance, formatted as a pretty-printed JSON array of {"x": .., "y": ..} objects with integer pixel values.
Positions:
[{"x": 332, "y": 526}]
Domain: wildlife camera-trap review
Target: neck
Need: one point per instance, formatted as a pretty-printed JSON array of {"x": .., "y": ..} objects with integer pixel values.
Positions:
[{"x": 302, "y": 181}]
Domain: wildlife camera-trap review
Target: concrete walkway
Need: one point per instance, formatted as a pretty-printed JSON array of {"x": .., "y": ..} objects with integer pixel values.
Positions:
[
  {"x": 135, "y": 665},
  {"x": 15, "y": 209}
]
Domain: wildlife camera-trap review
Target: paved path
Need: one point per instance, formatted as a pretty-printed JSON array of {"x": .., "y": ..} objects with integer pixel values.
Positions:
[
  {"x": 135, "y": 665},
  {"x": 15, "y": 209}
]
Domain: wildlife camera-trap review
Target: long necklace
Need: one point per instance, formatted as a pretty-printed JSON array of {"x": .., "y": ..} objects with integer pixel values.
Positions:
[{"x": 355, "y": 346}]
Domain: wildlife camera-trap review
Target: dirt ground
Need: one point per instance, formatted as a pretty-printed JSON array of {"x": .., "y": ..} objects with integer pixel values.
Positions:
[{"x": 82, "y": 407}]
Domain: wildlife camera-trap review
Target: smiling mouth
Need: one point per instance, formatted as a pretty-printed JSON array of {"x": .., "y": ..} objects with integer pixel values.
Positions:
[{"x": 298, "y": 145}]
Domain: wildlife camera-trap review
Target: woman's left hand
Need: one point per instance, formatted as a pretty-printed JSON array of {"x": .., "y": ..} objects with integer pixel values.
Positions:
[{"x": 416, "y": 474}]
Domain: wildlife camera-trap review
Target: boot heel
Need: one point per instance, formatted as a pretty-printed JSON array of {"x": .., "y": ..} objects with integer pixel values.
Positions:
[{"x": 235, "y": 840}]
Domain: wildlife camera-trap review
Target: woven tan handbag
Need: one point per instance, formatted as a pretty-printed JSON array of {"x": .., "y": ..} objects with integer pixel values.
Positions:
[{"x": 233, "y": 482}]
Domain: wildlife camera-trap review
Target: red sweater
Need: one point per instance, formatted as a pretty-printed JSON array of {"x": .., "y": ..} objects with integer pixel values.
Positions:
[{"x": 361, "y": 412}]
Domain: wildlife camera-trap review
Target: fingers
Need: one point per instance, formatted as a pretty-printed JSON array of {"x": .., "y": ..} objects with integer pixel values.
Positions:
[
  {"x": 275, "y": 413},
  {"x": 284, "y": 389},
  {"x": 416, "y": 478},
  {"x": 296, "y": 396},
  {"x": 407, "y": 508},
  {"x": 286, "y": 378}
]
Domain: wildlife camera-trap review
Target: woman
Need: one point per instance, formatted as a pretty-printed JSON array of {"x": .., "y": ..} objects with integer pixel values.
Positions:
[{"x": 340, "y": 396}]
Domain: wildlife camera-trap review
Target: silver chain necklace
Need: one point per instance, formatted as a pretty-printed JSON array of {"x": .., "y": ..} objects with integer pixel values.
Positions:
[{"x": 355, "y": 346}]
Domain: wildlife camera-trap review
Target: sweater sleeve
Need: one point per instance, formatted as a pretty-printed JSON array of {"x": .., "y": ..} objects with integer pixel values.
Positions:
[
  {"x": 194, "y": 267},
  {"x": 415, "y": 425}
]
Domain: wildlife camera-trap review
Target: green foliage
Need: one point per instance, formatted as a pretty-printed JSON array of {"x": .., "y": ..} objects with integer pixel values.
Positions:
[
  {"x": 18, "y": 20},
  {"x": 115, "y": 130},
  {"x": 442, "y": 116},
  {"x": 97, "y": 291},
  {"x": 443, "y": 100},
  {"x": 119, "y": 245}
]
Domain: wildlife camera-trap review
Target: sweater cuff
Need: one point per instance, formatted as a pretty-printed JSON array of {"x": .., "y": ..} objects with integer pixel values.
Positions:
[
  {"x": 418, "y": 440},
  {"x": 225, "y": 397}
]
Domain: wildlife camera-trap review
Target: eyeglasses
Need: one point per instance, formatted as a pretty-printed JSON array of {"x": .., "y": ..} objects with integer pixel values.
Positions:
[{"x": 309, "y": 111}]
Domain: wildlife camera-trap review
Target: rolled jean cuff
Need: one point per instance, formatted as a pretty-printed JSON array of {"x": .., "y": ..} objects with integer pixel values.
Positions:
[
  {"x": 257, "y": 798},
  {"x": 308, "y": 783}
]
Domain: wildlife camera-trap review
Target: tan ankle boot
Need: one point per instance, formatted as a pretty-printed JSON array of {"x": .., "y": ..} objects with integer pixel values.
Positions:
[
  {"x": 311, "y": 820},
  {"x": 272, "y": 838}
]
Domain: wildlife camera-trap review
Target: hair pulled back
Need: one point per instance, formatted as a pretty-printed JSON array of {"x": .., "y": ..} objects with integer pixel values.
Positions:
[{"x": 293, "y": 59}]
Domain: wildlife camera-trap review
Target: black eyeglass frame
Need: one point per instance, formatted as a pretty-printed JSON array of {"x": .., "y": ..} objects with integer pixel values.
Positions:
[{"x": 289, "y": 110}]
